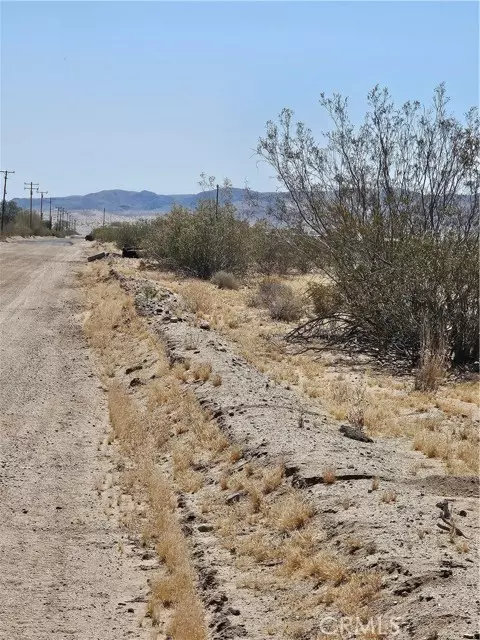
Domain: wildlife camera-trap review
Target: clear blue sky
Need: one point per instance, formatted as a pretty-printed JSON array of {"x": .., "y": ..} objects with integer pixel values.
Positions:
[{"x": 147, "y": 95}]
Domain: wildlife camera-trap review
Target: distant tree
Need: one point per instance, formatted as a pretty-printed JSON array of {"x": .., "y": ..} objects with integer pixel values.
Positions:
[{"x": 11, "y": 210}]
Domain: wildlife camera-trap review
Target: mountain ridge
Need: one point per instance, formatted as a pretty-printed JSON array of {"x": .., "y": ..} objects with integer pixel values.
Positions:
[{"x": 125, "y": 202}]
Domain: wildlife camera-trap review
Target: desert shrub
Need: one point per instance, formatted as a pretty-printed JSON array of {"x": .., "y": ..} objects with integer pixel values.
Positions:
[
  {"x": 280, "y": 299},
  {"x": 278, "y": 250},
  {"x": 286, "y": 306},
  {"x": 123, "y": 234},
  {"x": 326, "y": 298},
  {"x": 225, "y": 280},
  {"x": 393, "y": 207},
  {"x": 202, "y": 242},
  {"x": 17, "y": 223}
]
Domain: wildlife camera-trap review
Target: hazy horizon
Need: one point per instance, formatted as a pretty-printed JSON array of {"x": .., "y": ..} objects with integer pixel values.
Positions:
[{"x": 147, "y": 95}]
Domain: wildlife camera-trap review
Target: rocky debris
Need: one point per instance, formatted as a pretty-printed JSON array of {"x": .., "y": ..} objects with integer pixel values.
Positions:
[
  {"x": 130, "y": 252},
  {"x": 446, "y": 518},
  {"x": 135, "y": 382},
  {"x": 354, "y": 433},
  {"x": 235, "y": 497},
  {"x": 97, "y": 256},
  {"x": 135, "y": 367}
]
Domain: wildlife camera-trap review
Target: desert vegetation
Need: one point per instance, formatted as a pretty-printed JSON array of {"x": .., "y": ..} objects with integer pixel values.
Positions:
[
  {"x": 270, "y": 537},
  {"x": 387, "y": 212},
  {"x": 17, "y": 223}
]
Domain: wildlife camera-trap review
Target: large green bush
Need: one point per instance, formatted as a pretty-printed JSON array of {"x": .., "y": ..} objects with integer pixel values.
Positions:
[
  {"x": 202, "y": 242},
  {"x": 393, "y": 206}
]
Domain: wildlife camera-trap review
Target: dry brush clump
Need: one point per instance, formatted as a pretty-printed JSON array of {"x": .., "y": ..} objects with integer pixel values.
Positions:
[
  {"x": 280, "y": 299},
  {"x": 225, "y": 280}
]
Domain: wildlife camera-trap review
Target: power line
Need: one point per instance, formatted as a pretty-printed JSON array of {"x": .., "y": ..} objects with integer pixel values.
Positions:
[
  {"x": 29, "y": 186},
  {"x": 4, "y": 195}
]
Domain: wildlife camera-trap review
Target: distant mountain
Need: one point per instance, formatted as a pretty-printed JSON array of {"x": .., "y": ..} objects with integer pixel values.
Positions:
[{"x": 135, "y": 203}]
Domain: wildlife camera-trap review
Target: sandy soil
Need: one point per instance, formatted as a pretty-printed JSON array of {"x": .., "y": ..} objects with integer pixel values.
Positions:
[
  {"x": 66, "y": 570},
  {"x": 430, "y": 587}
]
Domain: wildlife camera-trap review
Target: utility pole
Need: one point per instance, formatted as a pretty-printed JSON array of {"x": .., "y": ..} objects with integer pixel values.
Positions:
[
  {"x": 41, "y": 203},
  {"x": 4, "y": 195},
  {"x": 103, "y": 217},
  {"x": 216, "y": 204},
  {"x": 58, "y": 217},
  {"x": 29, "y": 187},
  {"x": 50, "y": 212}
]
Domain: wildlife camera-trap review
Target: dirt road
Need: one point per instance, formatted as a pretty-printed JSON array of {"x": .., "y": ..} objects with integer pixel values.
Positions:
[{"x": 62, "y": 570}]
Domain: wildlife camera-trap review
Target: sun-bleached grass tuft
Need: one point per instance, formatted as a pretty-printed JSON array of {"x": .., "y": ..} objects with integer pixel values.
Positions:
[
  {"x": 389, "y": 496},
  {"x": 329, "y": 475},
  {"x": 198, "y": 299},
  {"x": 291, "y": 512},
  {"x": 202, "y": 371}
]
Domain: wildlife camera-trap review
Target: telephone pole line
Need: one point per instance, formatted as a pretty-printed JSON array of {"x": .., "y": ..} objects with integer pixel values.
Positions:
[
  {"x": 50, "y": 212},
  {"x": 4, "y": 195},
  {"x": 41, "y": 203},
  {"x": 29, "y": 187}
]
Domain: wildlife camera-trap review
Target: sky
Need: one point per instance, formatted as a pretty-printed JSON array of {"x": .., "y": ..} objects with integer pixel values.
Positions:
[{"x": 147, "y": 95}]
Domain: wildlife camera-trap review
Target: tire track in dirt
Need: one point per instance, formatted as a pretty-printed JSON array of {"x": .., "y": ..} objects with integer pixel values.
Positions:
[{"x": 61, "y": 572}]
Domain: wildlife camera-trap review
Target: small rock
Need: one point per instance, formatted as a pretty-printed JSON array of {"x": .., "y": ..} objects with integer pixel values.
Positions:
[
  {"x": 135, "y": 367},
  {"x": 135, "y": 382},
  {"x": 462, "y": 513},
  {"x": 233, "y": 611},
  {"x": 205, "y": 325},
  {"x": 235, "y": 497},
  {"x": 174, "y": 319},
  {"x": 203, "y": 528}
]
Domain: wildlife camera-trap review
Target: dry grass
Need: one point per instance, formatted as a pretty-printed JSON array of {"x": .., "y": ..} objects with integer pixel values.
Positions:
[
  {"x": 432, "y": 370},
  {"x": 325, "y": 567},
  {"x": 272, "y": 477},
  {"x": 389, "y": 496},
  {"x": 202, "y": 371},
  {"x": 329, "y": 475},
  {"x": 198, "y": 298},
  {"x": 291, "y": 512},
  {"x": 216, "y": 380},
  {"x": 117, "y": 333},
  {"x": 380, "y": 404},
  {"x": 271, "y": 523}
]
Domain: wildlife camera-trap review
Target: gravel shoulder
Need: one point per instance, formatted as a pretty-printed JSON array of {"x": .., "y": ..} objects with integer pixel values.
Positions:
[{"x": 66, "y": 569}]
